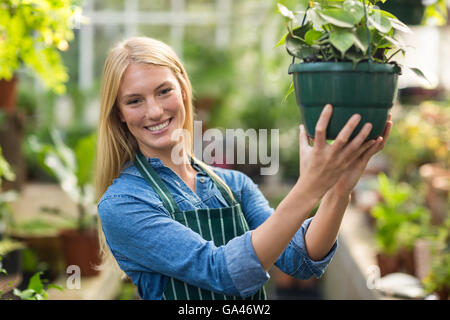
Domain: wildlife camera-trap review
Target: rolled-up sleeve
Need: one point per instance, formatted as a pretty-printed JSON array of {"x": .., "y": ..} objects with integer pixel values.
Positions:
[
  {"x": 294, "y": 260},
  {"x": 143, "y": 237}
]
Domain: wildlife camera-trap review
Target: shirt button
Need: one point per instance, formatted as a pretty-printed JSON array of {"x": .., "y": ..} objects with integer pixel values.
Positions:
[{"x": 202, "y": 180}]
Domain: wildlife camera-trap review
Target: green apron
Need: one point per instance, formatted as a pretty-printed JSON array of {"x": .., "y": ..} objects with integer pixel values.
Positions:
[{"x": 218, "y": 224}]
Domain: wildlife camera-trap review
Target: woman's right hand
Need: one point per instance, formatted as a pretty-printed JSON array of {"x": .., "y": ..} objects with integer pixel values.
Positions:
[{"x": 322, "y": 164}]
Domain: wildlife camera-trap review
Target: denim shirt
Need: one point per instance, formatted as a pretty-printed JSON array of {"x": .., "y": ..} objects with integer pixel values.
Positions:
[{"x": 149, "y": 245}]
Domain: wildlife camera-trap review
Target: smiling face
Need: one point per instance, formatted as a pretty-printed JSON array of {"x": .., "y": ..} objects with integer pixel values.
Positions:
[{"x": 150, "y": 102}]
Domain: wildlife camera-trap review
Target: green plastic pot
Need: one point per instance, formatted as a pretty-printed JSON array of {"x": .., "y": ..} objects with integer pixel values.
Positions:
[
  {"x": 410, "y": 12},
  {"x": 370, "y": 90}
]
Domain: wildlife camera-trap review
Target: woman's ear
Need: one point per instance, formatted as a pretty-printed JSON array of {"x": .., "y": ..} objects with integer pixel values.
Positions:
[
  {"x": 122, "y": 119},
  {"x": 184, "y": 95}
]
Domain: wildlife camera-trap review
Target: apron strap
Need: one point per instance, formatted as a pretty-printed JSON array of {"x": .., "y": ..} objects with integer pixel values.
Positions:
[{"x": 155, "y": 181}]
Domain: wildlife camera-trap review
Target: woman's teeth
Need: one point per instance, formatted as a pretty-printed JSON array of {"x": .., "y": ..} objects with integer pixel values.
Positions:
[{"x": 159, "y": 126}]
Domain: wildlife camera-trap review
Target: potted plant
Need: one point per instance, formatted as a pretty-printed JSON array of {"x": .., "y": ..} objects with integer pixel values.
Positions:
[
  {"x": 343, "y": 51},
  {"x": 417, "y": 12},
  {"x": 74, "y": 171},
  {"x": 399, "y": 221}
]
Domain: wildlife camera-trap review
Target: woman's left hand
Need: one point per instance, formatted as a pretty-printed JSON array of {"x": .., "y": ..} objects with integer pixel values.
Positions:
[{"x": 354, "y": 171}]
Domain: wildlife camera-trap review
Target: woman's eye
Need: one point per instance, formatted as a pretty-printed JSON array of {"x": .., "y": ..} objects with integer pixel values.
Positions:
[
  {"x": 165, "y": 91},
  {"x": 133, "y": 101}
]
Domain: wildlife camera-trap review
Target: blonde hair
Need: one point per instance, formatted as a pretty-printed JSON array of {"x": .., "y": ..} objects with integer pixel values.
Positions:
[{"x": 116, "y": 145}]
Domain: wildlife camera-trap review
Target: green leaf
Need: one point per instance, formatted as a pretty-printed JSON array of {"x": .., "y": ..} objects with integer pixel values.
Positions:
[
  {"x": 285, "y": 11},
  {"x": 282, "y": 40},
  {"x": 55, "y": 286},
  {"x": 36, "y": 283},
  {"x": 355, "y": 8},
  {"x": 361, "y": 39},
  {"x": 27, "y": 294},
  {"x": 290, "y": 90},
  {"x": 419, "y": 73},
  {"x": 312, "y": 36},
  {"x": 296, "y": 45},
  {"x": 85, "y": 154},
  {"x": 380, "y": 22},
  {"x": 315, "y": 18},
  {"x": 338, "y": 17},
  {"x": 342, "y": 40}
]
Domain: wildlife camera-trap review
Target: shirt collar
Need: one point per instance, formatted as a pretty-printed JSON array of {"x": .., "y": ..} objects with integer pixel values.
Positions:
[{"x": 156, "y": 163}]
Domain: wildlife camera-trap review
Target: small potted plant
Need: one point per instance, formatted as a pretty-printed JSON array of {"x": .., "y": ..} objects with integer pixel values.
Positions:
[
  {"x": 74, "y": 171},
  {"x": 417, "y": 12},
  {"x": 343, "y": 52},
  {"x": 398, "y": 223}
]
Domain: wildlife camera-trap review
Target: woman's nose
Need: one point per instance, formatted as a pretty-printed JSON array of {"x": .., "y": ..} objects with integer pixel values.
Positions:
[{"x": 154, "y": 110}]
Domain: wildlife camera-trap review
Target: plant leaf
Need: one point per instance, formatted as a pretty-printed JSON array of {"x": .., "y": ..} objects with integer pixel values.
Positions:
[
  {"x": 342, "y": 39},
  {"x": 361, "y": 39},
  {"x": 285, "y": 11},
  {"x": 312, "y": 36},
  {"x": 288, "y": 93},
  {"x": 338, "y": 17},
  {"x": 282, "y": 40},
  {"x": 419, "y": 73},
  {"x": 355, "y": 8},
  {"x": 380, "y": 22},
  {"x": 36, "y": 283}
]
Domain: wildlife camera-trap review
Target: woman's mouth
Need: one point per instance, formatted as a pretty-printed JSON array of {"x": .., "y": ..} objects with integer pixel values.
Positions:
[{"x": 159, "y": 127}]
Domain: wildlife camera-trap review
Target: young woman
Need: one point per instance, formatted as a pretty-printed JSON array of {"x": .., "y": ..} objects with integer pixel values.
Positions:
[{"x": 185, "y": 230}]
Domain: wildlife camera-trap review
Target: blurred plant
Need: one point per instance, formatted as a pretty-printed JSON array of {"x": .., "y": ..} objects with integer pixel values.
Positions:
[
  {"x": 8, "y": 245},
  {"x": 211, "y": 75},
  {"x": 32, "y": 32},
  {"x": 438, "y": 279},
  {"x": 74, "y": 171},
  {"x": 6, "y": 218},
  {"x": 36, "y": 289},
  {"x": 435, "y": 12},
  {"x": 420, "y": 135},
  {"x": 400, "y": 219}
]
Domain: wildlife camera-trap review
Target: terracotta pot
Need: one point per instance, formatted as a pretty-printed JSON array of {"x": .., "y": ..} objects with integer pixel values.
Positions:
[
  {"x": 48, "y": 249},
  {"x": 406, "y": 257},
  {"x": 8, "y": 94},
  {"x": 444, "y": 293},
  {"x": 388, "y": 263},
  {"x": 81, "y": 248}
]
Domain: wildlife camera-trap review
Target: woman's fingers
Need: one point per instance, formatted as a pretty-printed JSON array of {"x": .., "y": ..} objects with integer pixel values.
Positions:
[
  {"x": 346, "y": 132},
  {"x": 353, "y": 147},
  {"x": 386, "y": 132},
  {"x": 321, "y": 126},
  {"x": 303, "y": 137},
  {"x": 366, "y": 146}
]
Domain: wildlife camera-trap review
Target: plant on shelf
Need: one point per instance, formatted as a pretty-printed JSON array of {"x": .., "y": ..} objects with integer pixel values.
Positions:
[
  {"x": 31, "y": 35},
  {"x": 345, "y": 51},
  {"x": 74, "y": 171},
  {"x": 438, "y": 278},
  {"x": 399, "y": 221},
  {"x": 5, "y": 197},
  {"x": 421, "y": 135}
]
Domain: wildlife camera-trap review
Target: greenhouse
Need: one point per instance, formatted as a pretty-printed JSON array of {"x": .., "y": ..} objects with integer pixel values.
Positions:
[{"x": 224, "y": 150}]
